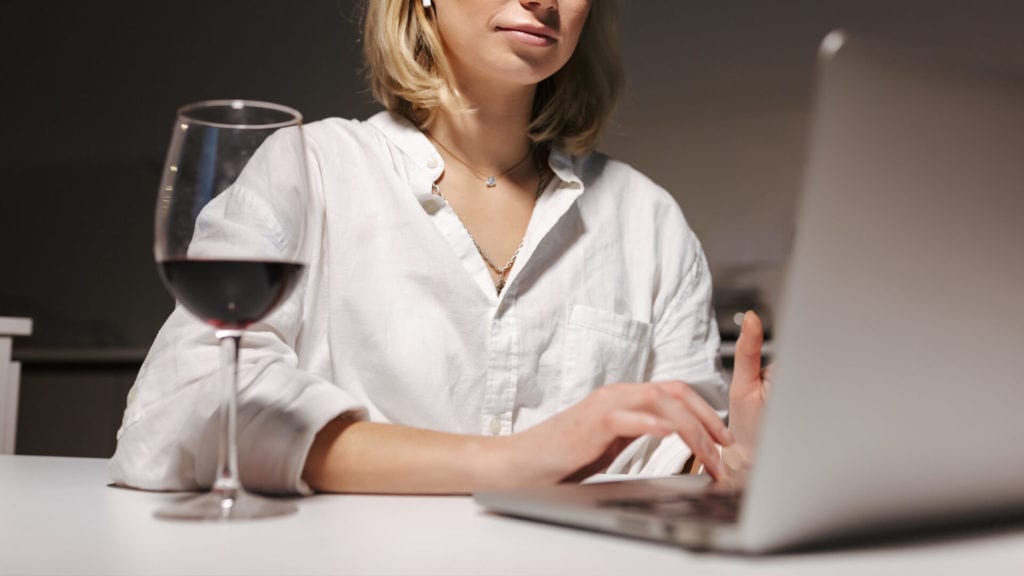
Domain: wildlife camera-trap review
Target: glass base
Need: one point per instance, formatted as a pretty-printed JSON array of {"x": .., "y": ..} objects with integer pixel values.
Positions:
[{"x": 226, "y": 505}]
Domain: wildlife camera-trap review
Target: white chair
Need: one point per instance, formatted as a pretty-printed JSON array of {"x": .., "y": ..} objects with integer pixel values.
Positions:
[{"x": 10, "y": 380}]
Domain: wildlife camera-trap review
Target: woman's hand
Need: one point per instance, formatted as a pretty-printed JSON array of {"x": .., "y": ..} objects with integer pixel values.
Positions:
[
  {"x": 747, "y": 396},
  {"x": 585, "y": 438}
]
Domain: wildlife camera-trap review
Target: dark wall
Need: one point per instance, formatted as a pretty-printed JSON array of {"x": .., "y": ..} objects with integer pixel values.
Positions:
[
  {"x": 718, "y": 103},
  {"x": 716, "y": 110},
  {"x": 90, "y": 90}
]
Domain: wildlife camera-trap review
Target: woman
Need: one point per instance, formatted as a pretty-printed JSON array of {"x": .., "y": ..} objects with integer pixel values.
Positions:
[{"x": 493, "y": 303}]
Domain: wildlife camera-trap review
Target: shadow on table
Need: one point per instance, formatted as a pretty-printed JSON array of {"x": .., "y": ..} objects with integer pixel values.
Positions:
[{"x": 958, "y": 533}]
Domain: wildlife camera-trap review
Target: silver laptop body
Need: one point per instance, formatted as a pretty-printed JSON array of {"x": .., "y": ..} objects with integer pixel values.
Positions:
[{"x": 898, "y": 400}]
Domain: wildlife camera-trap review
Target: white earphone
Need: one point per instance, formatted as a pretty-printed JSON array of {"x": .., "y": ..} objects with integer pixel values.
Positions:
[{"x": 428, "y": 3}]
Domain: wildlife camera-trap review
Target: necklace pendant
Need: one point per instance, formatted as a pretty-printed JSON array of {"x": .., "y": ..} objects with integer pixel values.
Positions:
[
  {"x": 491, "y": 181},
  {"x": 500, "y": 285}
]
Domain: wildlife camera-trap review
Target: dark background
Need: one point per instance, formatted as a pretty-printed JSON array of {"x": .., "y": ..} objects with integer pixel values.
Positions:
[{"x": 716, "y": 109}]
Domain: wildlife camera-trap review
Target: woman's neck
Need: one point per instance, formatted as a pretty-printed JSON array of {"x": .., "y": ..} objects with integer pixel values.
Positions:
[{"x": 492, "y": 135}]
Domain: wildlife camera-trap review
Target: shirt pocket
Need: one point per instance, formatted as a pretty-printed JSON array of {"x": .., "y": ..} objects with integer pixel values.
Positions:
[{"x": 601, "y": 348}]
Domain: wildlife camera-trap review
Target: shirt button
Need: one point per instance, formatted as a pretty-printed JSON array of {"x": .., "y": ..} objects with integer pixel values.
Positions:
[
  {"x": 432, "y": 163},
  {"x": 495, "y": 426}
]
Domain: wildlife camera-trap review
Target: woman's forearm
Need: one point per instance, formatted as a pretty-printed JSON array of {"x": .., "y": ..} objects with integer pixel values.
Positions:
[
  {"x": 349, "y": 456},
  {"x": 367, "y": 457}
]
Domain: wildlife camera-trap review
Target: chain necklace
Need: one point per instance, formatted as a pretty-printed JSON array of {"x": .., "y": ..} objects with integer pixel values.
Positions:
[
  {"x": 490, "y": 181},
  {"x": 500, "y": 271}
]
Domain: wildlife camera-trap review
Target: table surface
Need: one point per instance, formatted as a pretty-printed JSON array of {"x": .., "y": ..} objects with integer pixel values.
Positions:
[{"x": 60, "y": 516}]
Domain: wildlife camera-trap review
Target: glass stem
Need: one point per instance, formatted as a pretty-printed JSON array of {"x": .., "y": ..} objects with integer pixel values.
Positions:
[{"x": 227, "y": 481}]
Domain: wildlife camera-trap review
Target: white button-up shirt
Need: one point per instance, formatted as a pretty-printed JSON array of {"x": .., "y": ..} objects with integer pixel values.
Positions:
[{"x": 397, "y": 320}]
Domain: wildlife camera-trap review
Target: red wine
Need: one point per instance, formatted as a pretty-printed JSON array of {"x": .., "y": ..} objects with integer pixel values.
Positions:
[{"x": 230, "y": 294}]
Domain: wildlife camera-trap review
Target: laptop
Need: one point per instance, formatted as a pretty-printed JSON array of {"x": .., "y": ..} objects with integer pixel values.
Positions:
[{"x": 898, "y": 396}]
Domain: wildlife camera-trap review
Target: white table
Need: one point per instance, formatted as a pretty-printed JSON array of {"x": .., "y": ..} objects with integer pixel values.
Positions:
[{"x": 58, "y": 516}]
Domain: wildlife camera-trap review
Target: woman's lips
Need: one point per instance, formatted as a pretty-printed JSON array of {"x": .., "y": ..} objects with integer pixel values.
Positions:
[{"x": 528, "y": 37}]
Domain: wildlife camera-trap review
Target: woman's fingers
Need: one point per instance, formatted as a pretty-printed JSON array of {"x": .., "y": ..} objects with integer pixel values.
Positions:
[
  {"x": 686, "y": 423},
  {"x": 701, "y": 409},
  {"x": 659, "y": 409},
  {"x": 746, "y": 375},
  {"x": 748, "y": 392},
  {"x": 686, "y": 412},
  {"x": 766, "y": 378}
]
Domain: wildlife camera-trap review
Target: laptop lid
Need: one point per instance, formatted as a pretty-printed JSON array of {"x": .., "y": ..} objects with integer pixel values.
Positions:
[{"x": 899, "y": 390}]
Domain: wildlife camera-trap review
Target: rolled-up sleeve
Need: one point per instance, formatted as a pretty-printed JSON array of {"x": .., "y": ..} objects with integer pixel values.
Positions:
[
  {"x": 169, "y": 437},
  {"x": 685, "y": 347},
  {"x": 686, "y": 338}
]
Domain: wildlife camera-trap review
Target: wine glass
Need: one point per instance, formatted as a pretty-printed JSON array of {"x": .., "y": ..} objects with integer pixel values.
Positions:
[{"x": 229, "y": 245}]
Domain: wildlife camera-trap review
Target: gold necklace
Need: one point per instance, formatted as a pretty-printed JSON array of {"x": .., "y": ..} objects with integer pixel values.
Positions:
[
  {"x": 490, "y": 181},
  {"x": 502, "y": 271}
]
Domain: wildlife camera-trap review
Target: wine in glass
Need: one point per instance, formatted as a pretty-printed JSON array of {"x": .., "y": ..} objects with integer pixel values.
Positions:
[{"x": 229, "y": 244}]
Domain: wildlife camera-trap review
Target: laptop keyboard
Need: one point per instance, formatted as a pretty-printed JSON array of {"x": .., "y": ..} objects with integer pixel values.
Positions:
[{"x": 717, "y": 506}]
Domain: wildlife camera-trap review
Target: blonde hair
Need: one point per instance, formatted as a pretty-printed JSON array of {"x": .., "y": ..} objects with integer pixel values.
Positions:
[{"x": 410, "y": 75}]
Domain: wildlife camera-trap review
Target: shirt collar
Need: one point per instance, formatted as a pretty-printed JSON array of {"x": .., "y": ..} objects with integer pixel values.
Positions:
[
  {"x": 562, "y": 164},
  {"x": 426, "y": 164},
  {"x": 430, "y": 164}
]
